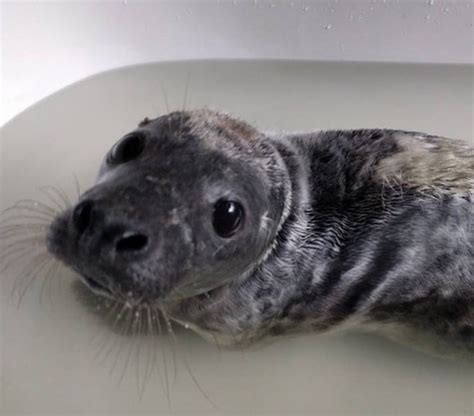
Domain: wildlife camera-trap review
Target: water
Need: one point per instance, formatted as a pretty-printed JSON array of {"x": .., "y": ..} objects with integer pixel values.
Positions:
[{"x": 58, "y": 358}]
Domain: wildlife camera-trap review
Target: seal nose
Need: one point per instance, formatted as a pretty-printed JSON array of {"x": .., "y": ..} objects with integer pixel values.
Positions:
[
  {"x": 131, "y": 241},
  {"x": 82, "y": 216},
  {"x": 115, "y": 236}
]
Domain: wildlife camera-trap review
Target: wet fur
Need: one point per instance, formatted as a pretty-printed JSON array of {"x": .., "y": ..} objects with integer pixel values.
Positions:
[{"x": 371, "y": 228}]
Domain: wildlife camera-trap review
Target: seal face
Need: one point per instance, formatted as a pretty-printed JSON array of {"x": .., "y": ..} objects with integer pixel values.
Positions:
[
  {"x": 175, "y": 212},
  {"x": 242, "y": 234}
]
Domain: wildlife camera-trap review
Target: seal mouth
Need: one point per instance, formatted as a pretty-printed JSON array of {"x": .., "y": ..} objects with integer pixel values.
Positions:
[{"x": 96, "y": 287}]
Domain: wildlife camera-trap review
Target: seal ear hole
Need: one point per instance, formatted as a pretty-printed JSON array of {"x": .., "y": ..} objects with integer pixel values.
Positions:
[
  {"x": 127, "y": 149},
  {"x": 227, "y": 217}
]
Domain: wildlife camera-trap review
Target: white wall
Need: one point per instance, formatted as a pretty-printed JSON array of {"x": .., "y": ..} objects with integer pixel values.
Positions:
[{"x": 48, "y": 45}]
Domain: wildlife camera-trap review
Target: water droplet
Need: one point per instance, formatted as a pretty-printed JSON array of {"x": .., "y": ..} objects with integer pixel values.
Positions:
[
  {"x": 306, "y": 8},
  {"x": 124, "y": 2},
  {"x": 446, "y": 9},
  {"x": 427, "y": 17},
  {"x": 327, "y": 27},
  {"x": 273, "y": 5},
  {"x": 186, "y": 326},
  {"x": 98, "y": 307},
  {"x": 129, "y": 293},
  {"x": 292, "y": 4},
  {"x": 431, "y": 2},
  {"x": 137, "y": 314}
]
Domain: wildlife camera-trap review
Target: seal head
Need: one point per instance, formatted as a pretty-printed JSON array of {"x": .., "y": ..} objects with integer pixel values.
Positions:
[{"x": 182, "y": 205}]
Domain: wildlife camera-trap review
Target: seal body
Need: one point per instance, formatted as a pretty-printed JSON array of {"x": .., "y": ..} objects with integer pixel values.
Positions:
[{"x": 364, "y": 228}]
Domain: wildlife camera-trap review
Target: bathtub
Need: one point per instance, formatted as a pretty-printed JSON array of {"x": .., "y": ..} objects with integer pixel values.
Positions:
[{"x": 77, "y": 76}]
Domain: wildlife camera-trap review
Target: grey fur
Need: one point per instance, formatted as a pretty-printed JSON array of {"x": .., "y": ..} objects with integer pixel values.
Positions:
[{"x": 366, "y": 228}]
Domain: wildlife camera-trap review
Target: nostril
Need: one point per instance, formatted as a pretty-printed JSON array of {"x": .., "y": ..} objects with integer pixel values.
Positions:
[
  {"x": 82, "y": 216},
  {"x": 131, "y": 242}
]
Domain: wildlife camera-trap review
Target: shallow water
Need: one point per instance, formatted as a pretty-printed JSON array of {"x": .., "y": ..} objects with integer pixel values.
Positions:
[{"x": 56, "y": 355}]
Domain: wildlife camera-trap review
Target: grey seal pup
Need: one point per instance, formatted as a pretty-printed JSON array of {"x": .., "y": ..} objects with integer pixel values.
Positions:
[{"x": 242, "y": 235}]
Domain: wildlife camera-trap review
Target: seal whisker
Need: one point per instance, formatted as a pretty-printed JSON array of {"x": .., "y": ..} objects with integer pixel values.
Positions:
[
  {"x": 7, "y": 258},
  {"x": 150, "y": 349},
  {"x": 37, "y": 204},
  {"x": 185, "y": 98},
  {"x": 185, "y": 361},
  {"x": 51, "y": 196},
  {"x": 101, "y": 331},
  {"x": 139, "y": 342},
  {"x": 33, "y": 205},
  {"x": 165, "y": 97},
  {"x": 22, "y": 217},
  {"x": 165, "y": 362},
  {"x": 132, "y": 331},
  {"x": 66, "y": 196},
  {"x": 142, "y": 343},
  {"x": 43, "y": 261},
  {"x": 62, "y": 196},
  {"x": 31, "y": 238},
  {"x": 173, "y": 347},
  {"x": 22, "y": 230},
  {"x": 152, "y": 357},
  {"x": 106, "y": 345},
  {"x": 35, "y": 241},
  {"x": 77, "y": 185},
  {"x": 128, "y": 322},
  {"x": 48, "y": 278},
  {"x": 20, "y": 210},
  {"x": 19, "y": 253},
  {"x": 13, "y": 240},
  {"x": 13, "y": 229},
  {"x": 26, "y": 270},
  {"x": 123, "y": 333}
]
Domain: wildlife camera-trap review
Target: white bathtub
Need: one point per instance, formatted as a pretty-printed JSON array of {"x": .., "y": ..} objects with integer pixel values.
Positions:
[{"x": 52, "y": 359}]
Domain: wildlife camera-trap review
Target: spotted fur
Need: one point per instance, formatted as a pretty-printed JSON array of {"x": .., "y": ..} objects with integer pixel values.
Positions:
[
  {"x": 379, "y": 235},
  {"x": 365, "y": 228},
  {"x": 430, "y": 163}
]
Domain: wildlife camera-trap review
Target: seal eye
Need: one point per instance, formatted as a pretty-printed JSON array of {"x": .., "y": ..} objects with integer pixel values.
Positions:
[
  {"x": 227, "y": 217},
  {"x": 129, "y": 148}
]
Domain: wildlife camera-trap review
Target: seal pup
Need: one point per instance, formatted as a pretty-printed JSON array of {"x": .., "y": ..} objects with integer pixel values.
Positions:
[{"x": 243, "y": 235}]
